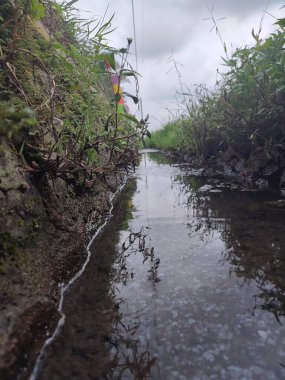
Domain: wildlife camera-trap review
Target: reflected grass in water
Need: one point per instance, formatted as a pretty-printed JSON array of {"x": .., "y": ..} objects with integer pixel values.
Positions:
[
  {"x": 253, "y": 231},
  {"x": 160, "y": 159},
  {"x": 221, "y": 267}
]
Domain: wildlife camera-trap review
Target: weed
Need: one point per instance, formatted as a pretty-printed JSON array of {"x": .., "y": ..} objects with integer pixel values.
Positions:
[
  {"x": 52, "y": 62},
  {"x": 244, "y": 115}
]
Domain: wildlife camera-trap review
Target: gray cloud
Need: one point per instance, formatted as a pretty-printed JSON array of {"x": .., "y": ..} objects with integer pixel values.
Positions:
[
  {"x": 240, "y": 8},
  {"x": 235, "y": 8},
  {"x": 166, "y": 25}
]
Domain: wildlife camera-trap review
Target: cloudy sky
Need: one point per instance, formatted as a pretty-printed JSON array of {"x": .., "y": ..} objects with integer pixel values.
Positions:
[{"x": 178, "y": 27}]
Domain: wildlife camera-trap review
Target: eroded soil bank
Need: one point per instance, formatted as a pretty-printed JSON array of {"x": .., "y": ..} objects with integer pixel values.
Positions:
[
  {"x": 259, "y": 172},
  {"x": 44, "y": 228}
]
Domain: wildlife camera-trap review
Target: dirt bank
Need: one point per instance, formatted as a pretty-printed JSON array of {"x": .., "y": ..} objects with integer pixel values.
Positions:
[
  {"x": 259, "y": 173},
  {"x": 44, "y": 229}
]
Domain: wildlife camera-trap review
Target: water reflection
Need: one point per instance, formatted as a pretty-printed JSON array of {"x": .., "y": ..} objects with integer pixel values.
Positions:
[
  {"x": 98, "y": 340},
  {"x": 253, "y": 230},
  {"x": 135, "y": 243},
  {"x": 179, "y": 286},
  {"x": 159, "y": 158},
  {"x": 130, "y": 356}
]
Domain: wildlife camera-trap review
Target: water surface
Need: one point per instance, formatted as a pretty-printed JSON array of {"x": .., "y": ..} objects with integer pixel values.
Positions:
[{"x": 186, "y": 282}]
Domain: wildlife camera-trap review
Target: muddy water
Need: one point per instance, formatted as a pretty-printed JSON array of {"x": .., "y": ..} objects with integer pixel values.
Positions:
[{"x": 186, "y": 282}]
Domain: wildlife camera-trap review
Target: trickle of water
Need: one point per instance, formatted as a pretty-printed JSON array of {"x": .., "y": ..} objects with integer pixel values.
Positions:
[{"x": 186, "y": 282}]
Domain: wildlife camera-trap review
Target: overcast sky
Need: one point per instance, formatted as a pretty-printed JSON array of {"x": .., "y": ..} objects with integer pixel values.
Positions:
[{"x": 163, "y": 26}]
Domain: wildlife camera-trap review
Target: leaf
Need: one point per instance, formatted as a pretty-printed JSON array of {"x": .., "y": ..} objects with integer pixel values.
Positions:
[
  {"x": 130, "y": 117},
  {"x": 33, "y": 133},
  {"x": 226, "y": 61},
  {"x": 255, "y": 36},
  {"x": 68, "y": 66},
  {"x": 70, "y": 3},
  {"x": 280, "y": 89},
  {"x": 22, "y": 147},
  {"x": 109, "y": 58},
  {"x": 128, "y": 74},
  {"x": 144, "y": 143},
  {"x": 280, "y": 22},
  {"x": 57, "y": 45},
  {"x": 148, "y": 134},
  {"x": 135, "y": 98}
]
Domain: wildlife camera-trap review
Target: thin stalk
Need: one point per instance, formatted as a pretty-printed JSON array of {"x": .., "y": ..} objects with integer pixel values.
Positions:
[{"x": 124, "y": 60}]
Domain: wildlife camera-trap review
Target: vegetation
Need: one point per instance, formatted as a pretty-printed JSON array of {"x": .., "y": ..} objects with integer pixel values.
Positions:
[
  {"x": 57, "y": 106},
  {"x": 244, "y": 116},
  {"x": 170, "y": 137}
]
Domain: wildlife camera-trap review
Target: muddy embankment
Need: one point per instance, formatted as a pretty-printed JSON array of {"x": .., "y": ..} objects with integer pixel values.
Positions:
[
  {"x": 45, "y": 226},
  {"x": 259, "y": 173}
]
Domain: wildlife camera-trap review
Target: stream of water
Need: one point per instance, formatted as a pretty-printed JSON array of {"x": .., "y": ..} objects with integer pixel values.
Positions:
[{"x": 185, "y": 282}]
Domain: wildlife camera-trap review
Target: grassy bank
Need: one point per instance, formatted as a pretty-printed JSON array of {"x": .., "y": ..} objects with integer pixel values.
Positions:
[
  {"x": 59, "y": 116},
  {"x": 57, "y": 105},
  {"x": 64, "y": 145},
  {"x": 170, "y": 137},
  {"x": 244, "y": 116}
]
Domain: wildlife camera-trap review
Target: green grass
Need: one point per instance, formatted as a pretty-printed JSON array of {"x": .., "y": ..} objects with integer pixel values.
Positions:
[
  {"x": 167, "y": 138},
  {"x": 56, "y": 96}
]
